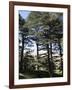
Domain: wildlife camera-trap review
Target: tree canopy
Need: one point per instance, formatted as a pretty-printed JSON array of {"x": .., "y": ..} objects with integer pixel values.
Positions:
[{"x": 46, "y": 30}]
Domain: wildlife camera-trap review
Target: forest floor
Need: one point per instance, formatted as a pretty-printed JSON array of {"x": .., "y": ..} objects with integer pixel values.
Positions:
[
  {"x": 34, "y": 74},
  {"x": 37, "y": 74}
]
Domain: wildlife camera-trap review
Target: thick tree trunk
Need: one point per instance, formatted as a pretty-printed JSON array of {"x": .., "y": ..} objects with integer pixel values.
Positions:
[
  {"x": 22, "y": 48},
  {"x": 60, "y": 49},
  {"x": 22, "y": 54},
  {"x": 51, "y": 58},
  {"x": 37, "y": 53},
  {"x": 49, "y": 62}
]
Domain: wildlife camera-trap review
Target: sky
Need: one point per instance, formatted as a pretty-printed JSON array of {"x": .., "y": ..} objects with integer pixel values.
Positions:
[{"x": 24, "y": 13}]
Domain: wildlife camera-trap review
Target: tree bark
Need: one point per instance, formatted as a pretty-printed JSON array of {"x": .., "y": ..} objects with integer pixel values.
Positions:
[
  {"x": 51, "y": 51},
  {"x": 49, "y": 62},
  {"x": 51, "y": 58},
  {"x": 22, "y": 54},
  {"x": 60, "y": 52},
  {"x": 37, "y": 53}
]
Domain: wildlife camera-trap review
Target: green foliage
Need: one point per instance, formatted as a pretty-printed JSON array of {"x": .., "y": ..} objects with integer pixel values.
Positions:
[{"x": 46, "y": 29}]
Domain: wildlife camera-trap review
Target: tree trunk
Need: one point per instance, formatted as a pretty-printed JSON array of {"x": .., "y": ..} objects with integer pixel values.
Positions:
[
  {"x": 22, "y": 54},
  {"x": 49, "y": 62},
  {"x": 51, "y": 51},
  {"x": 51, "y": 58},
  {"x": 37, "y": 53},
  {"x": 60, "y": 49}
]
